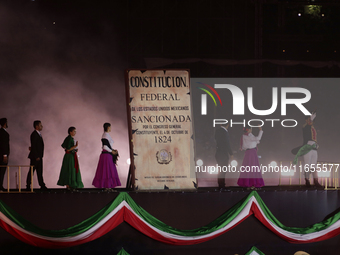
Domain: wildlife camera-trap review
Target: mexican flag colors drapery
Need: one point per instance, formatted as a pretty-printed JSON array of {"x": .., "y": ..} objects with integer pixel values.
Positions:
[
  {"x": 124, "y": 208},
  {"x": 252, "y": 251}
]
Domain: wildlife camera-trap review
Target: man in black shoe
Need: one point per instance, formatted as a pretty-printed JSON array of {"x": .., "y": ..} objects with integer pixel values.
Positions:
[
  {"x": 4, "y": 150},
  {"x": 223, "y": 151},
  {"x": 36, "y": 155}
]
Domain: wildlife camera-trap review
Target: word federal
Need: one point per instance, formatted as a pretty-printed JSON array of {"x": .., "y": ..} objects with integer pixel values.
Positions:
[{"x": 159, "y": 97}]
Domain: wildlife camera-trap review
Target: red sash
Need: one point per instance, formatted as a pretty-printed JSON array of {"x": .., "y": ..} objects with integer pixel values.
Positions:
[{"x": 76, "y": 165}]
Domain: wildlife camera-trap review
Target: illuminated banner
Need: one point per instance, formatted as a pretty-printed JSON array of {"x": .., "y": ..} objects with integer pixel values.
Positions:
[
  {"x": 292, "y": 113},
  {"x": 161, "y": 129}
]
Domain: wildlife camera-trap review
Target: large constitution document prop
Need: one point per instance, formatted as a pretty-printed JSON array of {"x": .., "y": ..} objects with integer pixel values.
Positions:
[{"x": 160, "y": 125}]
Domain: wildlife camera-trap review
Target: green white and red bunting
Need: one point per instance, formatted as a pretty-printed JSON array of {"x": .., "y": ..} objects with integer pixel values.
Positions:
[
  {"x": 124, "y": 208},
  {"x": 123, "y": 252},
  {"x": 252, "y": 251}
]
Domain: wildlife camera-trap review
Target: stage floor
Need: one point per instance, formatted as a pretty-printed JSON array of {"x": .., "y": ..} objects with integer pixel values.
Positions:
[{"x": 293, "y": 206}]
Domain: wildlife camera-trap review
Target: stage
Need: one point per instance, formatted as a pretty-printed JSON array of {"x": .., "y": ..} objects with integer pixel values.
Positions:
[{"x": 58, "y": 209}]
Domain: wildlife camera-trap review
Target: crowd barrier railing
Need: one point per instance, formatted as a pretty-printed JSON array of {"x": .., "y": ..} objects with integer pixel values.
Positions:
[{"x": 19, "y": 177}]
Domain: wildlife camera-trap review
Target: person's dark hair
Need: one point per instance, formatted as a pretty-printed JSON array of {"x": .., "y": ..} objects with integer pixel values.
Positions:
[
  {"x": 308, "y": 119},
  {"x": 70, "y": 129},
  {"x": 3, "y": 121},
  {"x": 246, "y": 128},
  {"x": 106, "y": 126},
  {"x": 36, "y": 123}
]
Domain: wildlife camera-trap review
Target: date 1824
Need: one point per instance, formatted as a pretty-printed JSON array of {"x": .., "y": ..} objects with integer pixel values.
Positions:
[{"x": 163, "y": 139}]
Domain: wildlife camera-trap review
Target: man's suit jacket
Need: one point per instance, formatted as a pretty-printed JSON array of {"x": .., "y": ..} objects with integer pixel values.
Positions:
[
  {"x": 4, "y": 143},
  {"x": 223, "y": 148},
  {"x": 37, "y": 146}
]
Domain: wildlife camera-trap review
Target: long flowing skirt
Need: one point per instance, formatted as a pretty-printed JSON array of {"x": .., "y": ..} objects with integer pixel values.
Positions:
[
  {"x": 251, "y": 175},
  {"x": 106, "y": 174},
  {"x": 68, "y": 174}
]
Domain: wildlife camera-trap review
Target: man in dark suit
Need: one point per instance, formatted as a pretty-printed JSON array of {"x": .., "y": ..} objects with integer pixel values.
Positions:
[
  {"x": 36, "y": 155},
  {"x": 4, "y": 150},
  {"x": 223, "y": 151}
]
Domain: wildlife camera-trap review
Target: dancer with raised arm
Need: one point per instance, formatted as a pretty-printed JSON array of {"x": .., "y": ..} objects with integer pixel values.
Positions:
[
  {"x": 309, "y": 150},
  {"x": 250, "y": 176}
]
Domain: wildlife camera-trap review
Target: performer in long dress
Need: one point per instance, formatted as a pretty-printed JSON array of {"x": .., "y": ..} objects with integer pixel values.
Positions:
[
  {"x": 70, "y": 172},
  {"x": 250, "y": 174},
  {"x": 107, "y": 175}
]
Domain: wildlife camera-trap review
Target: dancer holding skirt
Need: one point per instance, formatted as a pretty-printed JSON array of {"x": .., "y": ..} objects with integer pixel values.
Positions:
[
  {"x": 70, "y": 172},
  {"x": 107, "y": 175}
]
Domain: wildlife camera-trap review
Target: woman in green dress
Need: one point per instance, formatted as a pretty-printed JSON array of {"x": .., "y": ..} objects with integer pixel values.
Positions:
[{"x": 70, "y": 172}]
